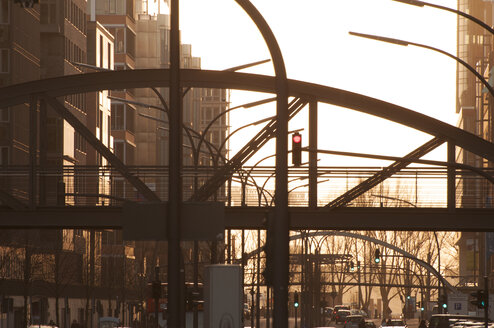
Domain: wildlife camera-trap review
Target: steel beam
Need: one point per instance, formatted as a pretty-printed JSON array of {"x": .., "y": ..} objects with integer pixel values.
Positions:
[
  {"x": 301, "y": 218},
  {"x": 244, "y": 154},
  {"x": 174, "y": 173},
  {"x": 451, "y": 184},
  {"x": 71, "y": 84},
  {"x": 33, "y": 150},
  {"x": 101, "y": 148},
  {"x": 387, "y": 172},
  {"x": 313, "y": 154},
  {"x": 12, "y": 202}
]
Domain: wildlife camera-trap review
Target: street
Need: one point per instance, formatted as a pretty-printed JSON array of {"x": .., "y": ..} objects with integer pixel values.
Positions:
[{"x": 411, "y": 323}]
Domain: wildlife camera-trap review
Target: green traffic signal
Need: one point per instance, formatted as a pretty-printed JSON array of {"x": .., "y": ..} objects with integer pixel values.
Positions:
[
  {"x": 377, "y": 256},
  {"x": 480, "y": 299},
  {"x": 295, "y": 304}
]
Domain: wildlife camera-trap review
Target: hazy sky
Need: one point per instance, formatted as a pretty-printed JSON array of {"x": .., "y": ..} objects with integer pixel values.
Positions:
[{"x": 313, "y": 36}]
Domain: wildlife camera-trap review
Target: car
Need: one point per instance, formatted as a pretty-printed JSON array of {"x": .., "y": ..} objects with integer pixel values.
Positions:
[
  {"x": 328, "y": 311},
  {"x": 394, "y": 323},
  {"x": 337, "y": 308},
  {"x": 359, "y": 312},
  {"x": 450, "y": 320},
  {"x": 370, "y": 324},
  {"x": 246, "y": 311},
  {"x": 341, "y": 315},
  {"x": 354, "y": 321}
]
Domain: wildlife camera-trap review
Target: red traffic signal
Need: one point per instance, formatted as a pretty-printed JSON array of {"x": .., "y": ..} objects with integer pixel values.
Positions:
[{"x": 296, "y": 149}]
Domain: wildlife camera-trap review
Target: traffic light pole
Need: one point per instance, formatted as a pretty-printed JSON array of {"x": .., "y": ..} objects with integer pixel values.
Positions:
[
  {"x": 296, "y": 310},
  {"x": 486, "y": 306}
]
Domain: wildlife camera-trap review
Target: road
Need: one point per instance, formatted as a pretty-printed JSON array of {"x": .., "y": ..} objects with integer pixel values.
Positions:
[{"x": 411, "y": 323}]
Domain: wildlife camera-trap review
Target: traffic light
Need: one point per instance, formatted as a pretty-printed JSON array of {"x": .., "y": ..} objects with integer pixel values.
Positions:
[
  {"x": 295, "y": 300},
  {"x": 156, "y": 287},
  {"x": 443, "y": 301},
  {"x": 296, "y": 149},
  {"x": 377, "y": 255},
  {"x": 268, "y": 251},
  {"x": 479, "y": 299},
  {"x": 352, "y": 266}
]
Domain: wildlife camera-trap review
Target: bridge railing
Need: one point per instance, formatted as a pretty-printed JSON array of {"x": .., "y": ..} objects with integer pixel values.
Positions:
[{"x": 93, "y": 185}]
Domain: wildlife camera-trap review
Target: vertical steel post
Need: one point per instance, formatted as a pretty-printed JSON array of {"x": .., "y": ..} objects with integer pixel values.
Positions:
[
  {"x": 258, "y": 279},
  {"x": 174, "y": 173},
  {"x": 42, "y": 152},
  {"x": 91, "y": 274},
  {"x": 451, "y": 185},
  {"x": 359, "y": 286},
  {"x": 281, "y": 220},
  {"x": 440, "y": 309},
  {"x": 156, "y": 295},
  {"x": 196, "y": 284},
  {"x": 268, "y": 305},
  {"x": 33, "y": 148},
  {"x": 486, "y": 308},
  {"x": 313, "y": 154},
  {"x": 229, "y": 246}
]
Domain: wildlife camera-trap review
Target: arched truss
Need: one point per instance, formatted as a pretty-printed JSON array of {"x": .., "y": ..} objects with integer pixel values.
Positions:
[
  {"x": 90, "y": 82},
  {"x": 51, "y": 88},
  {"x": 396, "y": 249}
]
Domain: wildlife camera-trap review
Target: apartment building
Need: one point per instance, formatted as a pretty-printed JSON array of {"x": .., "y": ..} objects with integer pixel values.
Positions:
[{"x": 474, "y": 104}]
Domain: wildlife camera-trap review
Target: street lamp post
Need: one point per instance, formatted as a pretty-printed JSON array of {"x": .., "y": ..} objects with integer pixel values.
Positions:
[
  {"x": 461, "y": 13},
  {"x": 252, "y": 293},
  {"x": 407, "y": 43},
  {"x": 440, "y": 309}
]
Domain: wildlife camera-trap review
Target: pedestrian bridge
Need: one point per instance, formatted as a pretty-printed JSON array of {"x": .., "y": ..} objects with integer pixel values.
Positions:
[{"x": 410, "y": 193}]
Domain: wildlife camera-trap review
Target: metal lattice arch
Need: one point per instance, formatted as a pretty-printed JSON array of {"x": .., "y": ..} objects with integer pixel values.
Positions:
[{"x": 90, "y": 82}]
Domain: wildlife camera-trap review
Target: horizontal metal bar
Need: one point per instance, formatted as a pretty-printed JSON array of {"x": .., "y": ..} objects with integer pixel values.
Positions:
[{"x": 397, "y": 219}]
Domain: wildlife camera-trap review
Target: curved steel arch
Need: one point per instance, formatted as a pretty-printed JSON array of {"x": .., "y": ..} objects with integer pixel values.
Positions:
[
  {"x": 56, "y": 87},
  {"x": 404, "y": 253}
]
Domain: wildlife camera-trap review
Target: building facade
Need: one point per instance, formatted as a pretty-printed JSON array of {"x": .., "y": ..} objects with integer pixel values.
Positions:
[{"x": 474, "y": 104}]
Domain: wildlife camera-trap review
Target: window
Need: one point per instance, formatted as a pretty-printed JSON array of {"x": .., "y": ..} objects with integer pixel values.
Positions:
[
  {"x": 4, "y": 61},
  {"x": 101, "y": 64},
  {"x": 215, "y": 137},
  {"x": 130, "y": 119},
  {"x": 164, "y": 42},
  {"x": 79, "y": 143},
  {"x": 4, "y": 11},
  {"x": 53, "y": 13},
  {"x": 109, "y": 54},
  {"x": 112, "y": 6},
  {"x": 119, "y": 34},
  {"x": 4, "y": 156},
  {"x": 129, "y": 154},
  {"x": 99, "y": 119},
  {"x": 119, "y": 150},
  {"x": 130, "y": 42},
  {"x": 117, "y": 116},
  {"x": 4, "y": 114}
]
